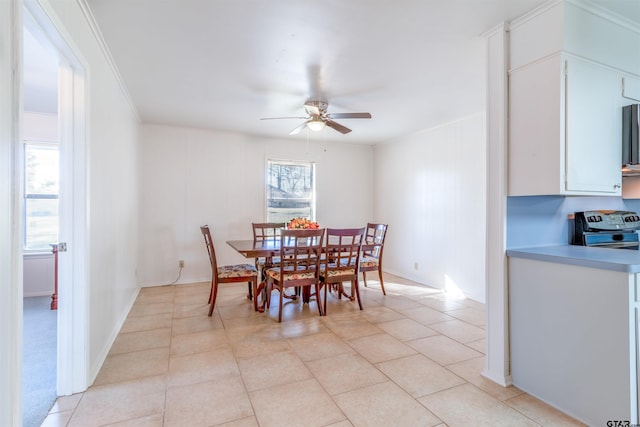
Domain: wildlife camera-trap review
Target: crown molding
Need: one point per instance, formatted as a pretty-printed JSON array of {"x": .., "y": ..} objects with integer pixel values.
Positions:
[{"x": 95, "y": 29}]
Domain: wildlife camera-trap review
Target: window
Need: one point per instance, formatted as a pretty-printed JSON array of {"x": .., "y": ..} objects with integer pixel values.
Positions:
[
  {"x": 290, "y": 190},
  {"x": 41, "y": 178}
]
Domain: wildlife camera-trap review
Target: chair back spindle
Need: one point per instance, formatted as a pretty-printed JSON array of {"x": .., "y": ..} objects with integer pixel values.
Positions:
[{"x": 266, "y": 230}]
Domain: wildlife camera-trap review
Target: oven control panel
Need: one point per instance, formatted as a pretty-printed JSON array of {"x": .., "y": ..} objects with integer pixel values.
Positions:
[{"x": 607, "y": 220}]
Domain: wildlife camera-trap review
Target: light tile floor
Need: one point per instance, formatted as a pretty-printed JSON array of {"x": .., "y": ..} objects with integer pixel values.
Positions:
[{"x": 411, "y": 358}]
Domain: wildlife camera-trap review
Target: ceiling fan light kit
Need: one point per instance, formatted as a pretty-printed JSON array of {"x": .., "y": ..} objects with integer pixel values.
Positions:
[
  {"x": 316, "y": 125},
  {"x": 318, "y": 118}
]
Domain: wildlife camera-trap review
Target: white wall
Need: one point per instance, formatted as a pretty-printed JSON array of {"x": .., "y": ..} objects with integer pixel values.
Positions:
[
  {"x": 39, "y": 127},
  {"x": 39, "y": 275},
  {"x": 190, "y": 177},
  {"x": 430, "y": 189}
]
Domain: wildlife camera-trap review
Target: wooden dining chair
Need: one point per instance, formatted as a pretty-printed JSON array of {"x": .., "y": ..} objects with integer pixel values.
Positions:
[
  {"x": 227, "y": 273},
  {"x": 373, "y": 246},
  {"x": 266, "y": 230},
  {"x": 301, "y": 256},
  {"x": 263, "y": 231},
  {"x": 341, "y": 262}
]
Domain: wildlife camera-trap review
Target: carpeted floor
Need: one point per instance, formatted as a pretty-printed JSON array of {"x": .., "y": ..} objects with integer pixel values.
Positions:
[{"x": 39, "y": 360}]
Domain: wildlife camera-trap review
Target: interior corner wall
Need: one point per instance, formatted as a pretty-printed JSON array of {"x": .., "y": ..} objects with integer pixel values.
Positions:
[
  {"x": 431, "y": 189},
  {"x": 190, "y": 177}
]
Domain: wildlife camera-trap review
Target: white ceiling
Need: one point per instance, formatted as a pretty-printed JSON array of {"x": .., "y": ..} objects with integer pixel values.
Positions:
[{"x": 224, "y": 64}]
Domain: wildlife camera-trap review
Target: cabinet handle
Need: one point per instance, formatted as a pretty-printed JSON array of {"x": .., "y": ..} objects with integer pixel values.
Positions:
[{"x": 616, "y": 186}]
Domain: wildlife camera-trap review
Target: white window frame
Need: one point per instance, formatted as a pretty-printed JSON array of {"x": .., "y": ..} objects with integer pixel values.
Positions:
[
  {"x": 312, "y": 200},
  {"x": 37, "y": 196}
]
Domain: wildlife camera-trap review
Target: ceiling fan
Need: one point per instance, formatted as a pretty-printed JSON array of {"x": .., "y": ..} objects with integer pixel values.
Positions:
[{"x": 318, "y": 118}]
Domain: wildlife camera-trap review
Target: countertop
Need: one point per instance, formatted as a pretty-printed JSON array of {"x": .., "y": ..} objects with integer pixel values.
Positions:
[{"x": 625, "y": 260}]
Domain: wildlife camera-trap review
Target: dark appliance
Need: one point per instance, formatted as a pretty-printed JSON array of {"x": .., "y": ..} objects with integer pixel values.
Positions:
[
  {"x": 606, "y": 228},
  {"x": 630, "y": 134}
]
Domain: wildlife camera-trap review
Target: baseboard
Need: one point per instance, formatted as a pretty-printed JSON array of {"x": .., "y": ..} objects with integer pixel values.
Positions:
[
  {"x": 36, "y": 294},
  {"x": 95, "y": 369},
  {"x": 179, "y": 282},
  {"x": 500, "y": 379}
]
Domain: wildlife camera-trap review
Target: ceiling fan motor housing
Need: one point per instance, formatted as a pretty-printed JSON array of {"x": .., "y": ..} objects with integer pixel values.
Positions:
[{"x": 320, "y": 105}]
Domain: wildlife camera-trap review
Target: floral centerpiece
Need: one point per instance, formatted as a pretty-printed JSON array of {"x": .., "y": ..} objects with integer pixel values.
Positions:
[{"x": 302, "y": 223}]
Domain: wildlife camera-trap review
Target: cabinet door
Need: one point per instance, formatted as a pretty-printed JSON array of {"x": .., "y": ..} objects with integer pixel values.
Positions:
[
  {"x": 593, "y": 120},
  {"x": 557, "y": 338},
  {"x": 536, "y": 131}
]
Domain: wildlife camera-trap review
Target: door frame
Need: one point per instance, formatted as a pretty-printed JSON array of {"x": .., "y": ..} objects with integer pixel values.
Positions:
[
  {"x": 72, "y": 335},
  {"x": 10, "y": 218}
]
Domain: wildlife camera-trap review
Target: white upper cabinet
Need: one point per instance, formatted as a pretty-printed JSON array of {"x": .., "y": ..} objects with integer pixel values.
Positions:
[
  {"x": 536, "y": 131},
  {"x": 566, "y": 76},
  {"x": 564, "y": 128},
  {"x": 593, "y": 118},
  {"x": 577, "y": 28}
]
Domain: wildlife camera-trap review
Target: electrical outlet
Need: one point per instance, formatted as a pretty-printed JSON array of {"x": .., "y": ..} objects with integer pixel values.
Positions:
[
  {"x": 181, "y": 263},
  {"x": 415, "y": 265}
]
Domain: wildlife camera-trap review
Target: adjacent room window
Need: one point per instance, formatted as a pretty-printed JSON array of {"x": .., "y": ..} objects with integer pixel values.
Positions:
[
  {"x": 290, "y": 190},
  {"x": 41, "y": 176}
]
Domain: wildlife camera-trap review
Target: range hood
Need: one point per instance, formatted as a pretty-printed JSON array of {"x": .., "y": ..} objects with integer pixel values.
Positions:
[
  {"x": 630, "y": 140},
  {"x": 630, "y": 170}
]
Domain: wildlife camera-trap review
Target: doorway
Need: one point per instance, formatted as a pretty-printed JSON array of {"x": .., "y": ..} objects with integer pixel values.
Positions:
[
  {"x": 39, "y": 153},
  {"x": 63, "y": 80}
]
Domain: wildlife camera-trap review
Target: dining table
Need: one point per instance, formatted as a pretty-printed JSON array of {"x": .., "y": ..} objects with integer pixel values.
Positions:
[
  {"x": 268, "y": 249},
  {"x": 256, "y": 249}
]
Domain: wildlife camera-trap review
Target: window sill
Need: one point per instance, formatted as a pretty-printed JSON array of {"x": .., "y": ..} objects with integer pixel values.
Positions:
[{"x": 37, "y": 254}]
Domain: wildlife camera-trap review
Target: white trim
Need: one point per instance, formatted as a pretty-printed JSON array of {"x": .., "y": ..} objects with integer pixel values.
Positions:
[
  {"x": 95, "y": 29},
  {"x": 603, "y": 12},
  {"x": 586, "y": 5},
  {"x": 572, "y": 55},
  {"x": 532, "y": 14},
  {"x": 35, "y": 294},
  {"x": 37, "y": 254},
  {"x": 72, "y": 284},
  {"x": 10, "y": 214},
  {"x": 73, "y": 337},
  {"x": 206, "y": 279},
  {"x": 497, "y": 351}
]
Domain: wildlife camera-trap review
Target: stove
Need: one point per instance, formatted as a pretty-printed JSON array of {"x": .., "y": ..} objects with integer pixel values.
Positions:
[{"x": 606, "y": 228}]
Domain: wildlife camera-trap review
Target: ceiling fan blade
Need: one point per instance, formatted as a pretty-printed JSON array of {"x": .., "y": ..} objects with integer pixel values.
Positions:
[
  {"x": 337, "y": 126},
  {"x": 278, "y": 118},
  {"x": 349, "y": 115},
  {"x": 298, "y": 128}
]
